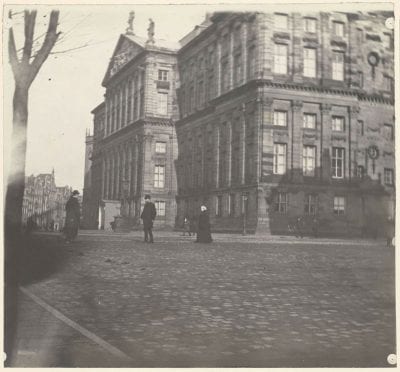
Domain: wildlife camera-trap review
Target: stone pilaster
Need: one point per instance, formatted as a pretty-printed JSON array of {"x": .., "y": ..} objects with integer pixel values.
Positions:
[
  {"x": 326, "y": 130},
  {"x": 263, "y": 223},
  {"x": 267, "y": 138},
  {"x": 352, "y": 141},
  {"x": 296, "y": 165}
]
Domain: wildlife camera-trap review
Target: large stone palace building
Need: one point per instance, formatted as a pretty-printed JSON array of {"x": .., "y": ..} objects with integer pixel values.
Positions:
[
  {"x": 287, "y": 116},
  {"x": 281, "y": 116},
  {"x": 135, "y": 144}
]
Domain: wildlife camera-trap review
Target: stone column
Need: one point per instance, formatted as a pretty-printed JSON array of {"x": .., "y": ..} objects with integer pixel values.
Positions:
[
  {"x": 243, "y": 146},
  {"x": 352, "y": 141},
  {"x": 297, "y": 142},
  {"x": 229, "y": 153},
  {"x": 325, "y": 135},
  {"x": 267, "y": 139}
]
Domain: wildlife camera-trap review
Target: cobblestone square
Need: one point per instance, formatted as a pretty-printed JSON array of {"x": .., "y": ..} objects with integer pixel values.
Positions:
[{"x": 238, "y": 302}]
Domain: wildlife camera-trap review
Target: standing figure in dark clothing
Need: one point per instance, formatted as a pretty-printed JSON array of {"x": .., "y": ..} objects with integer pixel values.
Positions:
[
  {"x": 148, "y": 215},
  {"x": 203, "y": 230},
  {"x": 72, "y": 217}
]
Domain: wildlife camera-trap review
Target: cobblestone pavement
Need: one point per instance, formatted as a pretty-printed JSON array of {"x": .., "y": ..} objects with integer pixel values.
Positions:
[{"x": 315, "y": 303}]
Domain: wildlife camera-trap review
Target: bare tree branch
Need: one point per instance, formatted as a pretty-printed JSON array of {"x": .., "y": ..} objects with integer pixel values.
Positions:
[
  {"x": 30, "y": 19},
  {"x": 48, "y": 44},
  {"x": 12, "y": 52}
]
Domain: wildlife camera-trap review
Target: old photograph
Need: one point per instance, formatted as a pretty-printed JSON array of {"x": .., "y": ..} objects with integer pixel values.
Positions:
[{"x": 199, "y": 185}]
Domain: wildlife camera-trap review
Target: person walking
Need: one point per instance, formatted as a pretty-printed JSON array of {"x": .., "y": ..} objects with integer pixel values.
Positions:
[
  {"x": 148, "y": 215},
  {"x": 203, "y": 230},
  {"x": 73, "y": 215},
  {"x": 186, "y": 226}
]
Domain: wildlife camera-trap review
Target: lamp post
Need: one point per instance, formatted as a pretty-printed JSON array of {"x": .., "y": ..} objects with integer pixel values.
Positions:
[
  {"x": 244, "y": 203},
  {"x": 125, "y": 190}
]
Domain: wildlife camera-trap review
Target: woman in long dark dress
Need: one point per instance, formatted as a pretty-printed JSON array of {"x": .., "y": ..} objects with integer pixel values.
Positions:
[
  {"x": 203, "y": 230},
  {"x": 72, "y": 217}
]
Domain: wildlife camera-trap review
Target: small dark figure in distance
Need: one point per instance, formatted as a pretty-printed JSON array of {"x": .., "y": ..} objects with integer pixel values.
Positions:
[
  {"x": 112, "y": 225},
  {"x": 203, "y": 230},
  {"x": 148, "y": 215},
  {"x": 72, "y": 217},
  {"x": 186, "y": 226}
]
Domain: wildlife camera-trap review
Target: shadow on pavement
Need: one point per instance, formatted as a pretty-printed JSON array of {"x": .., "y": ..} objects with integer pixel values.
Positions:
[{"x": 42, "y": 257}]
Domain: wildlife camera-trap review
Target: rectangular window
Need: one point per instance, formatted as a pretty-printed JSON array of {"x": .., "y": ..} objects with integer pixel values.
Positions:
[
  {"x": 310, "y": 62},
  {"x": 360, "y": 171},
  {"x": 310, "y": 25},
  {"x": 159, "y": 176},
  {"x": 388, "y": 83},
  {"x": 338, "y": 123},
  {"x": 280, "y": 59},
  {"x": 237, "y": 69},
  {"x": 309, "y": 121},
  {"x": 339, "y": 205},
  {"x": 388, "y": 176},
  {"x": 279, "y": 159},
  {"x": 337, "y": 162},
  {"x": 224, "y": 76},
  {"x": 360, "y": 79},
  {"x": 281, "y": 202},
  {"x": 338, "y": 66},
  {"x": 280, "y": 118},
  {"x": 338, "y": 29},
  {"x": 311, "y": 204},
  {"x": 281, "y": 21},
  {"x": 360, "y": 36},
  {"x": 163, "y": 75},
  {"x": 160, "y": 208},
  {"x": 388, "y": 41},
  {"x": 360, "y": 127},
  {"x": 161, "y": 147},
  {"x": 218, "y": 207},
  {"x": 251, "y": 56},
  {"x": 309, "y": 160},
  {"x": 388, "y": 132},
  {"x": 200, "y": 93},
  {"x": 231, "y": 204},
  {"x": 162, "y": 105}
]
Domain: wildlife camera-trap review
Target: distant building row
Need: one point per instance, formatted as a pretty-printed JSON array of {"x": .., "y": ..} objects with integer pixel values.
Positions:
[
  {"x": 44, "y": 202},
  {"x": 264, "y": 118}
]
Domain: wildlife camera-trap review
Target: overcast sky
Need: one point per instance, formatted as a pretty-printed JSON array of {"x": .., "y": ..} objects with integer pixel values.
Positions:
[{"x": 68, "y": 86}]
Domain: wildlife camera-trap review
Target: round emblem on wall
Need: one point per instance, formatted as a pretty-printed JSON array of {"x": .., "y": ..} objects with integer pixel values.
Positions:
[
  {"x": 373, "y": 152},
  {"x": 373, "y": 59}
]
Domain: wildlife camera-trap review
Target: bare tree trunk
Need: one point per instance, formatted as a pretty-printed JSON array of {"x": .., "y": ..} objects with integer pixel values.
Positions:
[{"x": 24, "y": 72}]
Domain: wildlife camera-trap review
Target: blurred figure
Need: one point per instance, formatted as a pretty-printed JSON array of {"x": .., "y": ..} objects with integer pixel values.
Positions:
[
  {"x": 203, "y": 230},
  {"x": 148, "y": 215},
  {"x": 72, "y": 217},
  {"x": 186, "y": 226}
]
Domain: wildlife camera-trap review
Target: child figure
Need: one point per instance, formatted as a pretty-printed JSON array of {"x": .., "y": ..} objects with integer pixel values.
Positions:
[{"x": 186, "y": 226}]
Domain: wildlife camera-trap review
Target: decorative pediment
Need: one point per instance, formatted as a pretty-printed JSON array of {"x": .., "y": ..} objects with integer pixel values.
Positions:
[{"x": 126, "y": 50}]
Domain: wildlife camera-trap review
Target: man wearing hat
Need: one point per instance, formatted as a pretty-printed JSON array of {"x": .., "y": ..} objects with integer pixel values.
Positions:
[
  {"x": 72, "y": 217},
  {"x": 148, "y": 215}
]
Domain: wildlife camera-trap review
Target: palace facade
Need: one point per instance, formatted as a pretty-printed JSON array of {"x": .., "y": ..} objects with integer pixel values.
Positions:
[
  {"x": 134, "y": 143},
  {"x": 286, "y": 116}
]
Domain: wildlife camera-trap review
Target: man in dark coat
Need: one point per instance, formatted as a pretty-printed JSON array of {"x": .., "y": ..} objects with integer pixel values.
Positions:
[
  {"x": 72, "y": 217},
  {"x": 148, "y": 215},
  {"x": 203, "y": 230}
]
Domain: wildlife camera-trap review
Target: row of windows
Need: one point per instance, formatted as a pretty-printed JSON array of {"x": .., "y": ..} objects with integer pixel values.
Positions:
[
  {"x": 338, "y": 123},
  {"x": 309, "y": 162},
  {"x": 281, "y": 21},
  {"x": 281, "y": 204}
]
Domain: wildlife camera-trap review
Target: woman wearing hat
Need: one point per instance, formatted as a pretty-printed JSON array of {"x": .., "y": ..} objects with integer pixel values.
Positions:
[
  {"x": 72, "y": 217},
  {"x": 203, "y": 231}
]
